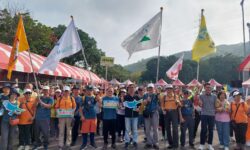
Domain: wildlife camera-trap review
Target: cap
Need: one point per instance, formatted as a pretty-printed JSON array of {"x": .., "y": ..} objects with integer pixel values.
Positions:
[
  {"x": 15, "y": 86},
  {"x": 66, "y": 88},
  {"x": 124, "y": 90},
  {"x": 236, "y": 93},
  {"x": 76, "y": 87},
  {"x": 7, "y": 85},
  {"x": 169, "y": 86},
  {"x": 27, "y": 91},
  {"x": 58, "y": 90},
  {"x": 46, "y": 88},
  {"x": 96, "y": 90},
  {"x": 89, "y": 87},
  {"x": 14, "y": 91},
  {"x": 150, "y": 85}
]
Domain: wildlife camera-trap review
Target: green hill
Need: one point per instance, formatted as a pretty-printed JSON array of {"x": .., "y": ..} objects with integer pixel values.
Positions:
[{"x": 234, "y": 49}]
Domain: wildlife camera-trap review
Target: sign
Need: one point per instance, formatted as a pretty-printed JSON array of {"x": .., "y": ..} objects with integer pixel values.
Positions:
[
  {"x": 110, "y": 104},
  {"x": 65, "y": 113},
  {"x": 107, "y": 61}
]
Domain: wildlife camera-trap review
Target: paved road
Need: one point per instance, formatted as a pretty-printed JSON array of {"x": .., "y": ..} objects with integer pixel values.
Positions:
[{"x": 162, "y": 144}]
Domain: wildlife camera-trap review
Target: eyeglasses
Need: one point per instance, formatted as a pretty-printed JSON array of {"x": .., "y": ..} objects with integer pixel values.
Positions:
[
  {"x": 28, "y": 93},
  {"x": 186, "y": 93}
]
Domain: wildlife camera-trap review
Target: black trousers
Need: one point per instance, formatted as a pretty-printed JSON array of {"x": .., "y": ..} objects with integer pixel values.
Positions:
[
  {"x": 240, "y": 133},
  {"x": 120, "y": 125},
  {"x": 171, "y": 122},
  {"x": 99, "y": 119},
  {"x": 75, "y": 129},
  {"x": 197, "y": 120},
  {"x": 162, "y": 124},
  {"x": 109, "y": 127},
  {"x": 24, "y": 134},
  {"x": 42, "y": 127}
]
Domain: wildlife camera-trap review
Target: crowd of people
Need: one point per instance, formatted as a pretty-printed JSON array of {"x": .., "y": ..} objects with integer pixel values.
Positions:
[{"x": 64, "y": 112}]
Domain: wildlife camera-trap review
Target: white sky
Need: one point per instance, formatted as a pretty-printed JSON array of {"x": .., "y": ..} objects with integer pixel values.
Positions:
[{"x": 112, "y": 21}]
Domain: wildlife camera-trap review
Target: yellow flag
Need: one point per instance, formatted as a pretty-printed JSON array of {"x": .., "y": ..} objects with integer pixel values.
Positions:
[
  {"x": 203, "y": 45},
  {"x": 20, "y": 44}
]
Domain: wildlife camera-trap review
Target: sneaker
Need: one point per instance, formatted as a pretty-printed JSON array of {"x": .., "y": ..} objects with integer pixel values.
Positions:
[
  {"x": 105, "y": 147},
  {"x": 226, "y": 148},
  {"x": 113, "y": 146},
  {"x": 156, "y": 146},
  {"x": 93, "y": 145},
  {"x": 27, "y": 147},
  {"x": 201, "y": 147},
  {"x": 126, "y": 145},
  {"x": 73, "y": 144},
  {"x": 45, "y": 147},
  {"x": 83, "y": 147},
  {"x": 59, "y": 148},
  {"x": 135, "y": 145},
  {"x": 221, "y": 146},
  {"x": 147, "y": 146},
  {"x": 210, "y": 147},
  {"x": 170, "y": 147},
  {"x": 121, "y": 139},
  {"x": 21, "y": 147}
]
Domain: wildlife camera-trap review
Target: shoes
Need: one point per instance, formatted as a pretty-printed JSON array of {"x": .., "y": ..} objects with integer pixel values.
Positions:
[
  {"x": 191, "y": 145},
  {"x": 147, "y": 146},
  {"x": 21, "y": 147},
  {"x": 170, "y": 147},
  {"x": 105, "y": 147},
  {"x": 135, "y": 145},
  {"x": 60, "y": 148},
  {"x": 156, "y": 146},
  {"x": 27, "y": 147},
  {"x": 126, "y": 145},
  {"x": 113, "y": 146},
  {"x": 226, "y": 148},
  {"x": 83, "y": 147},
  {"x": 73, "y": 144},
  {"x": 201, "y": 147},
  {"x": 210, "y": 147},
  {"x": 93, "y": 145},
  {"x": 221, "y": 146}
]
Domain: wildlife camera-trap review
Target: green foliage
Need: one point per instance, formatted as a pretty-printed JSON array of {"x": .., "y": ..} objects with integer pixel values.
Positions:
[{"x": 118, "y": 72}]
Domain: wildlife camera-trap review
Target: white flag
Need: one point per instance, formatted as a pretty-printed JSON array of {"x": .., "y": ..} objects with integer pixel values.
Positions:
[
  {"x": 147, "y": 37},
  {"x": 173, "y": 72},
  {"x": 68, "y": 44}
]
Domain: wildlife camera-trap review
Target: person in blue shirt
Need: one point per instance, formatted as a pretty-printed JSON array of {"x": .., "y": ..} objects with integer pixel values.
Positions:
[
  {"x": 8, "y": 131},
  {"x": 151, "y": 119},
  {"x": 42, "y": 118},
  {"x": 187, "y": 119},
  {"x": 77, "y": 118},
  {"x": 109, "y": 107},
  {"x": 4, "y": 96},
  {"x": 88, "y": 117}
]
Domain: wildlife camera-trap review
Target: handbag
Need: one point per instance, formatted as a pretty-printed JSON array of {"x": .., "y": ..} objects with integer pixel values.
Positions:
[
  {"x": 13, "y": 121},
  {"x": 233, "y": 122}
]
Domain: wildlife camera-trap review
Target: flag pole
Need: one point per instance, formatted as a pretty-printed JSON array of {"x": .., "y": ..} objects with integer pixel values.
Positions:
[
  {"x": 198, "y": 71},
  {"x": 31, "y": 62},
  {"x": 87, "y": 65},
  {"x": 159, "y": 52}
]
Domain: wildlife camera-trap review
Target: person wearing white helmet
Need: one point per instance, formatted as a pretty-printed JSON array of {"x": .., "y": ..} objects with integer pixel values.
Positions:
[{"x": 151, "y": 117}]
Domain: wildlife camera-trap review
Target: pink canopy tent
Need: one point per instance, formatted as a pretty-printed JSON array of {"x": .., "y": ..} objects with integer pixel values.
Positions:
[
  {"x": 194, "y": 83},
  {"x": 161, "y": 82},
  {"x": 114, "y": 82},
  {"x": 177, "y": 83},
  {"x": 214, "y": 83},
  {"x": 246, "y": 83},
  {"x": 127, "y": 82}
]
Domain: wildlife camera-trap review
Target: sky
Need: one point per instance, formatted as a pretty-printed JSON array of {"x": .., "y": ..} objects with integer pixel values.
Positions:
[{"x": 110, "y": 22}]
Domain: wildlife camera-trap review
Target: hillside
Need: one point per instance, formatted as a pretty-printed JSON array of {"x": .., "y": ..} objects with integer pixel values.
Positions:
[{"x": 234, "y": 49}]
